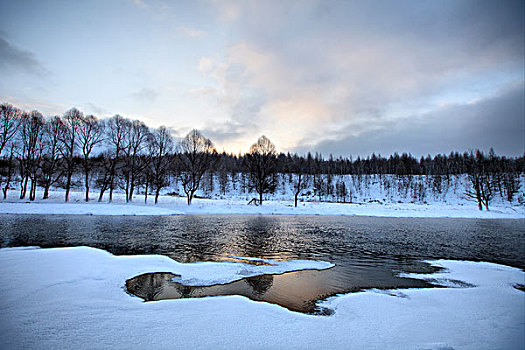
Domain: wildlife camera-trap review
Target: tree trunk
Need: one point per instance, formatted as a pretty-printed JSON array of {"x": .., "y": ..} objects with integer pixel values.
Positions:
[
  {"x": 298, "y": 189},
  {"x": 478, "y": 194},
  {"x": 23, "y": 186},
  {"x": 157, "y": 191},
  {"x": 68, "y": 185},
  {"x": 111, "y": 182},
  {"x": 86, "y": 177},
  {"x": 101, "y": 195},
  {"x": 146, "y": 193},
  {"x": 7, "y": 183},
  {"x": 32, "y": 191},
  {"x": 111, "y": 192},
  {"x": 131, "y": 189},
  {"x": 260, "y": 197},
  {"x": 127, "y": 189},
  {"x": 46, "y": 192},
  {"x": 9, "y": 174}
]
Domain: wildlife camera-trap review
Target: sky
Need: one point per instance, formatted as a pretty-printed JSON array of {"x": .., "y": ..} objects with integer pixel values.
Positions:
[{"x": 346, "y": 78}]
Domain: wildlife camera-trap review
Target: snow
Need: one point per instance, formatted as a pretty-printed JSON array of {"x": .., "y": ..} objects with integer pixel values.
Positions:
[
  {"x": 51, "y": 207},
  {"x": 171, "y": 205},
  {"x": 74, "y": 298}
]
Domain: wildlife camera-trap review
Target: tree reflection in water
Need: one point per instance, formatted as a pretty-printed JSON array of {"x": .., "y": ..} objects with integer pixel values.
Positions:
[
  {"x": 260, "y": 284},
  {"x": 149, "y": 286},
  {"x": 158, "y": 286}
]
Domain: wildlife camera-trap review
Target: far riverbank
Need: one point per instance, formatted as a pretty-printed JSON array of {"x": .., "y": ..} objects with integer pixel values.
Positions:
[{"x": 170, "y": 205}]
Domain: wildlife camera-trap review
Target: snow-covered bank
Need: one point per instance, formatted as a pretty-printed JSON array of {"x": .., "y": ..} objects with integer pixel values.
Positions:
[
  {"x": 73, "y": 298},
  {"x": 169, "y": 205}
]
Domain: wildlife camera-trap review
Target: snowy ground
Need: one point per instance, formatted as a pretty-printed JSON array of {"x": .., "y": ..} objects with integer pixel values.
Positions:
[
  {"x": 169, "y": 205},
  {"x": 73, "y": 298}
]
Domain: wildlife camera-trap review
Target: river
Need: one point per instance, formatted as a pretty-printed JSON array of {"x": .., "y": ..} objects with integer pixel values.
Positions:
[{"x": 368, "y": 252}]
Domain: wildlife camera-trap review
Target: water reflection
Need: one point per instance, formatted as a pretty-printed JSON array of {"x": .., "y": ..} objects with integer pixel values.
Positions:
[
  {"x": 260, "y": 284},
  {"x": 296, "y": 291},
  {"x": 158, "y": 286},
  {"x": 150, "y": 286},
  {"x": 337, "y": 239}
]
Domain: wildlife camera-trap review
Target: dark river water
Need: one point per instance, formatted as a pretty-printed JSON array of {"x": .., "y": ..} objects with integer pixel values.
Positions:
[{"x": 368, "y": 251}]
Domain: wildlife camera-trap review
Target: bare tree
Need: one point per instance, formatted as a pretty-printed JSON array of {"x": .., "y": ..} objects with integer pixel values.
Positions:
[
  {"x": 7, "y": 171},
  {"x": 30, "y": 137},
  {"x": 90, "y": 134},
  {"x": 301, "y": 180},
  {"x": 475, "y": 192},
  {"x": 161, "y": 145},
  {"x": 50, "y": 161},
  {"x": 71, "y": 122},
  {"x": 260, "y": 163},
  {"x": 146, "y": 175},
  {"x": 103, "y": 164},
  {"x": 9, "y": 122},
  {"x": 196, "y": 158},
  {"x": 117, "y": 130},
  {"x": 223, "y": 179},
  {"x": 319, "y": 176},
  {"x": 482, "y": 185},
  {"x": 136, "y": 143},
  {"x": 512, "y": 184},
  {"x": 341, "y": 191}
]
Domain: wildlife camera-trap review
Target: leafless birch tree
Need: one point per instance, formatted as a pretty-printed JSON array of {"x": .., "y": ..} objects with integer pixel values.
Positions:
[
  {"x": 196, "y": 156},
  {"x": 71, "y": 122},
  {"x": 161, "y": 146},
  {"x": 90, "y": 134},
  {"x": 260, "y": 163},
  {"x": 9, "y": 122}
]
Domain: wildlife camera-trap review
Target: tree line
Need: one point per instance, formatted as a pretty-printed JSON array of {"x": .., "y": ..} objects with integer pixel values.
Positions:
[{"x": 123, "y": 154}]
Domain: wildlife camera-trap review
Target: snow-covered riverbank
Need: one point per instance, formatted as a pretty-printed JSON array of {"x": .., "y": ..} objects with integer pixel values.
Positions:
[
  {"x": 74, "y": 298},
  {"x": 169, "y": 205}
]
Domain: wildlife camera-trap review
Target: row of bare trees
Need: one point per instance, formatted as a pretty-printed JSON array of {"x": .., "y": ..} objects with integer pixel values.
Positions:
[
  {"x": 487, "y": 180},
  {"x": 46, "y": 151},
  {"x": 119, "y": 153},
  {"x": 123, "y": 153}
]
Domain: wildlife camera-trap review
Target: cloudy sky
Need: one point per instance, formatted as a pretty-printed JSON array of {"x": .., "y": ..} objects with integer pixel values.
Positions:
[{"x": 341, "y": 77}]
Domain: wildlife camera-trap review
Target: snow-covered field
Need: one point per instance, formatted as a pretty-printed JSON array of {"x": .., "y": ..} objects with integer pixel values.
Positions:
[
  {"x": 170, "y": 205},
  {"x": 74, "y": 298}
]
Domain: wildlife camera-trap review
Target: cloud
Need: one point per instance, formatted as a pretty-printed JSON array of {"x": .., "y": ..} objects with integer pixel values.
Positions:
[
  {"x": 205, "y": 65},
  {"x": 306, "y": 73},
  {"x": 97, "y": 110},
  {"x": 254, "y": 90},
  {"x": 42, "y": 105},
  {"x": 224, "y": 132},
  {"x": 140, "y": 3},
  {"x": 15, "y": 59},
  {"x": 145, "y": 95},
  {"x": 192, "y": 32},
  {"x": 229, "y": 10},
  {"x": 318, "y": 73},
  {"x": 496, "y": 121}
]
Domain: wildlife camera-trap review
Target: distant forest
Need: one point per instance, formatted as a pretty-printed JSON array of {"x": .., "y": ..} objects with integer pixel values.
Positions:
[{"x": 126, "y": 155}]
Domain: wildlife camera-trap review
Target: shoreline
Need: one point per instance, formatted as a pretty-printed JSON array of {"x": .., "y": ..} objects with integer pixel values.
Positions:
[{"x": 170, "y": 205}]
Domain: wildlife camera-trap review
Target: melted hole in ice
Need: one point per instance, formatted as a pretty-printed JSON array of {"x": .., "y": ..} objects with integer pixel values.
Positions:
[
  {"x": 268, "y": 288},
  {"x": 297, "y": 291}
]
